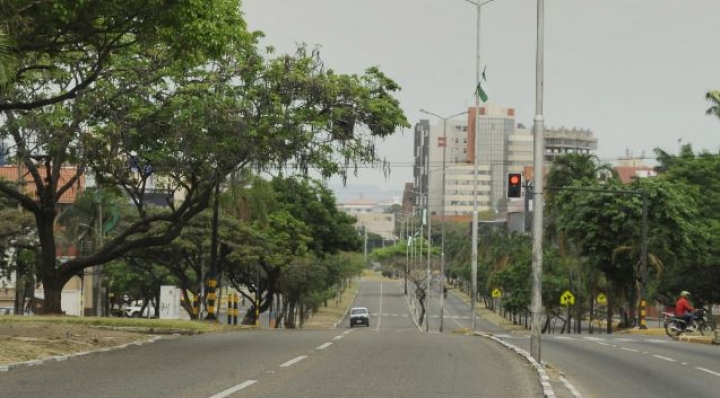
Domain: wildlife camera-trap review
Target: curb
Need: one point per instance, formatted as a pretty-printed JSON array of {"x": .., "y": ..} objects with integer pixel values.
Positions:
[
  {"x": 548, "y": 391},
  {"x": 61, "y": 358}
]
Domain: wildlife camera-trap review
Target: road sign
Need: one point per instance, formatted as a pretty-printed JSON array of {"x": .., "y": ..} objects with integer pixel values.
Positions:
[
  {"x": 567, "y": 298},
  {"x": 601, "y": 299},
  {"x": 496, "y": 293}
]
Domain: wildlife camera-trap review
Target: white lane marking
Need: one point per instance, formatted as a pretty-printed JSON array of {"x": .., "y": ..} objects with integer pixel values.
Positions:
[
  {"x": 601, "y": 343},
  {"x": 223, "y": 394},
  {"x": 709, "y": 371},
  {"x": 293, "y": 361},
  {"x": 591, "y": 338},
  {"x": 323, "y": 346},
  {"x": 658, "y": 341},
  {"x": 629, "y": 349},
  {"x": 348, "y": 331},
  {"x": 569, "y": 386},
  {"x": 564, "y": 338},
  {"x": 664, "y": 358},
  {"x": 337, "y": 337}
]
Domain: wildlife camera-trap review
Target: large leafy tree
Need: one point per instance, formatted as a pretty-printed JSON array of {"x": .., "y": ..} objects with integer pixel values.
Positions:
[
  {"x": 295, "y": 228},
  {"x": 172, "y": 96},
  {"x": 699, "y": 271},
  {"x": 73, "y": 58}
]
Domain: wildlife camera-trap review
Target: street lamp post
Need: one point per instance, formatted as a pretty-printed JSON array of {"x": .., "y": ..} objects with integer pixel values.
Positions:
[
  {"x": 442, "y": 212},
  {"x": 538, "y": 149},
  {"x": 474, "y": 252}
]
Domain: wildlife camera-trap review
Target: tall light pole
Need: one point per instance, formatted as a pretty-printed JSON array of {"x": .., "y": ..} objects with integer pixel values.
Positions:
[
  {"x": 538, "y": 147},
  {"x": 474, "y": 252},
  {"x": 442, "y": 212}
]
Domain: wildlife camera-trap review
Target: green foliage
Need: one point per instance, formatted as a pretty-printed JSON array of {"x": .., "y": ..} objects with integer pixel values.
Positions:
[
  {"x": 182, "y": 86},
  {"x": 695, "y": 266}
]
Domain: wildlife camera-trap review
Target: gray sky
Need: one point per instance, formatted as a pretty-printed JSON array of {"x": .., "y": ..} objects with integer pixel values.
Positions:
[{"x": 635, "y": 72}]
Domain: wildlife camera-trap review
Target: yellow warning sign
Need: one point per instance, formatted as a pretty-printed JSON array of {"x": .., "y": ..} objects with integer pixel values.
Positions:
[
  {"x": 601, "y": 299},
  {"x": 567, "y": 298},
  {"x": 496, "y": 293}
]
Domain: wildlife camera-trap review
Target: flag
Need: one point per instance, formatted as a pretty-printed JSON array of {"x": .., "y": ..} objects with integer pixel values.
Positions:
[{"x": 480, "y": 90}]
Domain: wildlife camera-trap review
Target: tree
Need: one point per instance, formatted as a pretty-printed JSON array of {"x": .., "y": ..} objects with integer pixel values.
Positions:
[
  {"x": 696, "y": 270},
  {"x": 396, "y": 257},
  {"x": 289, "y": 247},
  {"x": 168, "y": 96}
]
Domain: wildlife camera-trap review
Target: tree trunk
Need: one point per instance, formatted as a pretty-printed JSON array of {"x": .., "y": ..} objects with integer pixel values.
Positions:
[
  {"x": 53, "y": 291},
  {"x": 50, "y": 273}
]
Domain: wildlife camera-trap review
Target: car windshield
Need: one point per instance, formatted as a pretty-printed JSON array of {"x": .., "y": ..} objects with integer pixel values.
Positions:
[{"x": 356, "y": 311}]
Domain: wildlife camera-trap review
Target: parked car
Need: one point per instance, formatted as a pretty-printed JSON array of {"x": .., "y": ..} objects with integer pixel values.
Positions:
[
  {"x": 133, "y": 311},
  {"x": 359, "y": 316}
]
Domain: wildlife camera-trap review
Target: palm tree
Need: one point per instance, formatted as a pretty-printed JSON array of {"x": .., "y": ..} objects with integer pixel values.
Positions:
[{"x": 714, "y": 97}]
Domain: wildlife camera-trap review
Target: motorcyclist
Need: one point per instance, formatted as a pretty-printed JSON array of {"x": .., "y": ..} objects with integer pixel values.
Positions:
[
  {"x": 444, "y": 291},
  {"x": 684, "y": 310}
]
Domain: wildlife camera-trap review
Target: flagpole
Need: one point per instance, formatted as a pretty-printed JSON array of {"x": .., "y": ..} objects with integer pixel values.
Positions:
[{"x": 473, "y": 246}]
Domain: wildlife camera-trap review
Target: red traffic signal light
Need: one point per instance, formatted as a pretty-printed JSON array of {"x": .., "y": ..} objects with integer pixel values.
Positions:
[{"x": 514, "y": 185}]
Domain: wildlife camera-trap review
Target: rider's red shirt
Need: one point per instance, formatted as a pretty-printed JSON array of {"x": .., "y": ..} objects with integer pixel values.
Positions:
[{"x": 682, "y": 306}]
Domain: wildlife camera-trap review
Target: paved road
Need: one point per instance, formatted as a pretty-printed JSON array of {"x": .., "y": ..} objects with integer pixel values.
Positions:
[
  {"x": 391, "y": 358},
  {"x": 631, "y": 365},
  {"x": 610, "y": 365}
]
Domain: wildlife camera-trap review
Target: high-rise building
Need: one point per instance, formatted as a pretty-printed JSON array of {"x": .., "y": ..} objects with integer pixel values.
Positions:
[{"x": 503, "y": 147}]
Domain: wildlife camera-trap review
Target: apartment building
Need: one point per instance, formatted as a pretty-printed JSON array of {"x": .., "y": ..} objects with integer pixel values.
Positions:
[{"x": 504, "y": 147}]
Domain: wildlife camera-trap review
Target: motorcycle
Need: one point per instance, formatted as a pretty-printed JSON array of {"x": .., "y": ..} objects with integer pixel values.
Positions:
[{"x": 675, "y": 326}]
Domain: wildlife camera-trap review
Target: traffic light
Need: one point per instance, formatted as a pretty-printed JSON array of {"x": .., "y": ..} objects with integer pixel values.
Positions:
[{"x": 514, "y": 185}]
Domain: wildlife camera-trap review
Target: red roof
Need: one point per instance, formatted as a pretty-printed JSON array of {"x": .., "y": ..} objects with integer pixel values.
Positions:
[{"x": 10, "y": 173}]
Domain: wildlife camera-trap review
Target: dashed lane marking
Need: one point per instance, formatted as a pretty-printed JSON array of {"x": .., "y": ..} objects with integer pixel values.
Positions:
[
  {"x": 709, "y": 371},
  {"x": 323, "y": 346},
  {"x": 664, "y": 358},
  {"x": 235, "y": 389},
  {"x": 293, "y": 361}
]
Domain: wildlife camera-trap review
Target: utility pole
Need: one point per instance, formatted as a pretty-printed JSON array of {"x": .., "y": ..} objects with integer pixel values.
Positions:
[{"x": 538, "y": 147}]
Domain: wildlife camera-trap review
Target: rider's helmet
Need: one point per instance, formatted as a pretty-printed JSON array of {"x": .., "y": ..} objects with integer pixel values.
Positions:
[{"x": 684, "y": 293}]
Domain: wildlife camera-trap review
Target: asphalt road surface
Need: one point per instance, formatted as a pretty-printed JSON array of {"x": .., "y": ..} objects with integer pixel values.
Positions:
[{"x": 391, "y": 358}]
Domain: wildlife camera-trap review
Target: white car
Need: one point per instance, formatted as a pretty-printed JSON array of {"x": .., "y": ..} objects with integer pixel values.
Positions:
[
  {"x": 359, "y": 316},
  {"x": 133, "y": 311}
]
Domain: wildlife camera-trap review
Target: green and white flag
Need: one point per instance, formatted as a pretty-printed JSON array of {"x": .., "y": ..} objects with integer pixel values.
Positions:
[{"x": 480, "y": 89}]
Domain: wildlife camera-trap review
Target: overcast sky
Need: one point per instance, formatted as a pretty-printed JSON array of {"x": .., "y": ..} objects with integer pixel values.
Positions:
[{"x": 635, "y": 72}]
